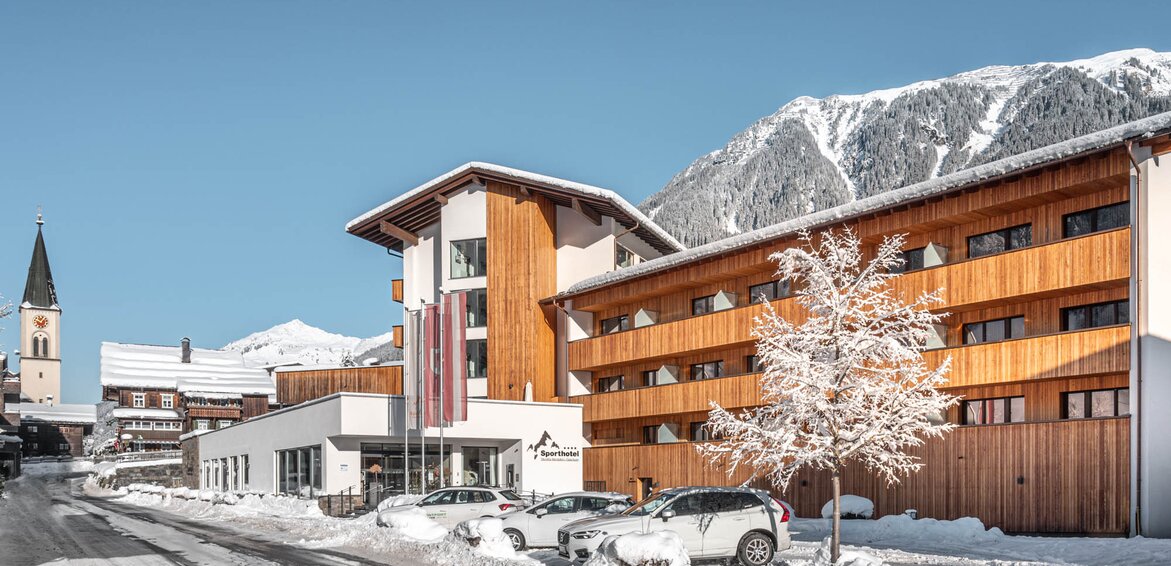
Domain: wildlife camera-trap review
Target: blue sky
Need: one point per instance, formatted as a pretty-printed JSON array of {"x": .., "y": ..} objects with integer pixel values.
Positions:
[{"x": 197, "y": 161}]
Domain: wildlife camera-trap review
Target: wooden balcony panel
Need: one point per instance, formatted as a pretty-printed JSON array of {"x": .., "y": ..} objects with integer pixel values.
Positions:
[
  {"x": 1094, "y": 261},
  {"x": 213, "y": 412},
  {"x": 397, "y": 336},
  {"x": 396, "y": 290}
]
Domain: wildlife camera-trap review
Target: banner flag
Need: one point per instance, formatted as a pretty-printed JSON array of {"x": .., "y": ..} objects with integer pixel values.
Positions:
[
  {"x": 455, "y": 364},
  {"x": 413, "y": 358},
  {"x": 431, "y": 365}
]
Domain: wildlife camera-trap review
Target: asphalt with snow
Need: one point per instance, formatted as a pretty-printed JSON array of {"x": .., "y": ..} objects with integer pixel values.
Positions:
[{"x": 47, "y": 520}]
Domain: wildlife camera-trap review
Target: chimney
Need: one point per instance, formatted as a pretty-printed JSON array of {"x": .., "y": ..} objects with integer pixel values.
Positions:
[
  {"x": 49, "y": 400},
  {"x": 185, "y": 343}
]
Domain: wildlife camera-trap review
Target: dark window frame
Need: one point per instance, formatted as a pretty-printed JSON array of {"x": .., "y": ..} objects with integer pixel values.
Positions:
[
  {"x": 1120, "y": 307},
  {"x": 603, "y": 384},
  {"x": 718, "y": 365},
  {"x": 474, "y": 308},
  {"x": 475, "y": 258},
  {"x": 623, "y": 324},
  {"x": 983, "y": 412},
  {"x": 910, "y": 260},
  {"x": 779, "y": 289},
  {"x": 699, "y": 431},
  {"x": 650, "y": 434},
  {"x": 753, "y": 364},
  {"x": 709, "y": 302},
  {"x": 480, "y": 343},
  {"x": 1094, "y": 218},
  {"x": 967, "y": 330},
  {"x": 1087, "y": 403},
  {"x": 1005, "y": 235},
  {"x": 650, "y": 377}
]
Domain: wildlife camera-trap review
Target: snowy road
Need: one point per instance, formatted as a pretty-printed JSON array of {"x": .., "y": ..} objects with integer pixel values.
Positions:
[{"x": 47, "y": 520}]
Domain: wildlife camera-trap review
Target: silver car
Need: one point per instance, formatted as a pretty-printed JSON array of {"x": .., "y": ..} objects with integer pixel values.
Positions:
[
  {"x": 714, "y": 522},
  {"x": 537, "y": 526},
  {"x": 452, "y": 505}
]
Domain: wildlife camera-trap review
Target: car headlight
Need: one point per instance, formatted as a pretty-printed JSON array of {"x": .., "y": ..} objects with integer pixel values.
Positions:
[{"x": 586, "y": 534}]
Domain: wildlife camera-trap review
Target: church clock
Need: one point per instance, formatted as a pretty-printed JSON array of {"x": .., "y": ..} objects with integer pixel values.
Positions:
[{"x": 40, "y": 321}]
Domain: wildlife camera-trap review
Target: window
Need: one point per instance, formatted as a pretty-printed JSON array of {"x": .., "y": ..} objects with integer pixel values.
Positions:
[
  {"x": 1093, "y": 316},
  {"x": 993, "y": 411},
  {"x": 707, "y": 370},
  {"x": 32, "y": 429},
  {"x": 140, "y": 400},
  {"x": 994, "y": 330},
  {"x": 1000, "y": 241},
  {"x": 650, "y": 434},
  {"x": 223, "y": 423},
  {"x": 700, "y": 432},
  {"x": 202, "y": 424},
  {"x": 770, "y": 291},
  {"x": 63, "y": 447},
  {"x": 689, "y": 504},
  {"x": 597, "y": 504},
  {"x": 469, "y": 258},
  {"x": 477, "y": 358},
  {"x": 479, "y": 465},
  {"x": 624, "y": 257},
  {"x": 168, "y": 401},
  {"x": 650, "y": 377},
  {"x": 477, "y": 308},
  {"x": 613, "y": 383},
  {"x": 440, "y": 498},
  {"x": 1096, "y": 220},
  {"x": 912, "y": 260},
  {"x": 753, "y": 364},
  {"x": 299, "y": 471},
  {"x": 703, "y": 305},
  {"x": 1101, "y": 403},
  {"x": 167, "y": 425},
  {"x": 615, "y": 324},
  {"x": 44, "y": 347},
  {"x": 138, "y": 425},
  {"x": 561, "y": 506},
  {"x": 36, "y": 347}
]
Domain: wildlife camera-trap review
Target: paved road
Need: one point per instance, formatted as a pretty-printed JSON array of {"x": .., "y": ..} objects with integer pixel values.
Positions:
[{"x": 47, "y": 520}]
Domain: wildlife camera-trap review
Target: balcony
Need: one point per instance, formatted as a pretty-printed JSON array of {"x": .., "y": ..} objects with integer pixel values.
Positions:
[
  {"x": 1068, "y": 354},
  {"x": 1084, "y": 263},
  {"x": 396, "y": 290}
]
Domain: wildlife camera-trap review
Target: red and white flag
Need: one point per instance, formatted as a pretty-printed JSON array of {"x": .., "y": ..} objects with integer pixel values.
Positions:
[
  {"x": 430, "y": 367},
  {"x": 455, "y": 364}
]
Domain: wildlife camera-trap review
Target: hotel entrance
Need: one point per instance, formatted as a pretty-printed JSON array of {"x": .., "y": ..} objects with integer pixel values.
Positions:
[{"x": 382, "y": 470}]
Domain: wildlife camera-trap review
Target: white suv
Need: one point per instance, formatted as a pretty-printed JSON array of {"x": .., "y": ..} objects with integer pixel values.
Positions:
[
  {"x": 537, "y": 526},
  {"x": 452, "y": 505},
  {"x": 714, "y": 522}
]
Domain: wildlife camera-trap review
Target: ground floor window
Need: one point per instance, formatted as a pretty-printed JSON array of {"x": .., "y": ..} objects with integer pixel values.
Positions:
[
  {"x": 479, "y": 465},
  {"x": 1101, "y": 403},
  {"x": 382, "y": 468},
  {"x": 994, "y": 411},
  {"x": 299, "y": 471}
]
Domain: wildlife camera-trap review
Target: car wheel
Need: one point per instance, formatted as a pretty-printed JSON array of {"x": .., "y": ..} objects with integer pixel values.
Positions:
[
  {"x": 516, "y": 538},
  {"x": 755, "y": 549}
]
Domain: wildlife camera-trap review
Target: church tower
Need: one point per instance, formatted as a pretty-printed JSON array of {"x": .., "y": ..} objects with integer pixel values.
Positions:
[{"x": 40, "y": 329}]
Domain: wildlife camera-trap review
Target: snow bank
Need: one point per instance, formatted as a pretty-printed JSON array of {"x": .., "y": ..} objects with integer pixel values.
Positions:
[
  {"x": 398, "y": 501},
  {"x": 848, "y": 557},
  {"x": 413, "y": 524},
  {"x": 903, "y": 527},
  {"x": 485, "y": 535},
  {"x": 853, "y": 507},
  {"x": 661, "y": 548},
  {"x": 39, "y": 469}
]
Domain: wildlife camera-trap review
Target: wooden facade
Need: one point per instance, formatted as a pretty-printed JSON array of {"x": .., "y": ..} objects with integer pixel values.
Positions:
[
  {"x": 1046, "y": 474},
  {"x": 297, "y": 386}
]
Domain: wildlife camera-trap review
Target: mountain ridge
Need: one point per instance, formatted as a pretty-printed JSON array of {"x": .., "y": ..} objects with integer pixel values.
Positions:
[{"x": 297, "y": 342}]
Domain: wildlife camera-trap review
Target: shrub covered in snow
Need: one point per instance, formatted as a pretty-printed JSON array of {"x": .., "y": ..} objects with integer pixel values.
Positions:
[
  {"x": 853, "y": 507},
  {"x": 414, "y": 524},
  {"x": 485, "y": 535},
  {"x": 661, "y": 548}
]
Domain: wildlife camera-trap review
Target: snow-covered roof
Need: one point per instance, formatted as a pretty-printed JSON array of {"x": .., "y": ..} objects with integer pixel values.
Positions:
[
  {"x": 10, "y": 438},
  {"x": 1137, "y": 130},
  {"x": 306, "y": 367},
  {"x": 140, "y": 413},
  {"x": 64, "y": 413},
  {"x": 210, "y": 395},
  {"x": 212, "y": 371},
  {"x": 614, "y": 199}
]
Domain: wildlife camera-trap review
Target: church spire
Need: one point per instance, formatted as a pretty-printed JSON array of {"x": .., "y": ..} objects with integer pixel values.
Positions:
[{"x": 38, "y": 289}]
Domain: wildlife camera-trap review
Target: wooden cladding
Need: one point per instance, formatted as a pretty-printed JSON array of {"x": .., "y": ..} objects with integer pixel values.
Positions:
[
  {"x": 522, "y": 270},
  {"x": 396, "y": 336},
  {"x": 688, "y": 396},
  {"x": 1095, "y": 261},
  {"x": 1049, "y": 477},
  {"x": 396, "y": 290},
  {"x": 293, "y": 387}
]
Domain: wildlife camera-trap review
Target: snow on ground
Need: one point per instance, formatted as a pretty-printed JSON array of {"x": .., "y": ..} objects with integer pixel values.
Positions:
[
  {"x": 663, "y": 548},
  {"x": 41, "y": 469}
]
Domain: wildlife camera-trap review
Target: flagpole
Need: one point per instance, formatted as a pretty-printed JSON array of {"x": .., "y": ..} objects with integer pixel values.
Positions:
[{"x": 442, "y": 350}]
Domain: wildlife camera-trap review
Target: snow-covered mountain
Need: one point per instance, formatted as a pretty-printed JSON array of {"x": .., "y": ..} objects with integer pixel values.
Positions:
[
  {"x": 295, "y": 341},
  {"x": 814, "y": 154}
]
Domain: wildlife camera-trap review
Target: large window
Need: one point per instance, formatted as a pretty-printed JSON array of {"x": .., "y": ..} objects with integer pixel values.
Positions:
[
  {"x": 700, "y": 431},
  {"x": 993, "y": 411},
  {"x": 994, "y": 330},
  {"x": 703, "y": 305},
  {"x": 477, "y": 358},
  {"x": 1093, "y": 316},
  {"x": 479, "y": 465},
  {"x": 707, "y": 370},
  {"x": 612, "y": 383},
  {"x": 1096, "y": 220},
  {"x": 624, "y": 257},
  {"x": 299, "y": 471},
  {"x": 912, "y": 260},
  {"x": 1000, "y": 241},
  {"x": 1101, "y": 403},
  {"x": 615, "y": 324},
  {"x": 469, "y": 258},
  {"x": 770, "y": 291},
  {"x": 650, "y": 434},
  {"x": 477, "y": 308}
]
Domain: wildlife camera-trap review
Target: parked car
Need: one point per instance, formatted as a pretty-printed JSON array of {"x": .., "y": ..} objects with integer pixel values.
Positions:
[
  {"x": 452, "y": 505},
  {"x": 714, "y": 522},
  {"x": 537, "y": 526}
]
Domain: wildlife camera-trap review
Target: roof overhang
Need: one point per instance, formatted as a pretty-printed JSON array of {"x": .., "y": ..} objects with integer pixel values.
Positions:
[{"x": 399, "y": 221}]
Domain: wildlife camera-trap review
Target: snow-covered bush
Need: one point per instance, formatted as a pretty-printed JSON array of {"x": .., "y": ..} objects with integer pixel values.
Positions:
[
  {"x": 414, "y": 524},
  {"x": 853, "y": 507},
  {"x": 485, "y": 535},
  {"x": 660, "y": 548}
]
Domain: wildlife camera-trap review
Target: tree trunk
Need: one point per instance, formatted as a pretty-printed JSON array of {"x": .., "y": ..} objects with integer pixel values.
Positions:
[{"x": 835, "y": 541}]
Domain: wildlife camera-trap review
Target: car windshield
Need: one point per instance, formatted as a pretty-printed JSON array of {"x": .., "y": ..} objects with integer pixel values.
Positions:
[
  {"x": 648, "y": 506},
  {"x": 510, "y": 495}
]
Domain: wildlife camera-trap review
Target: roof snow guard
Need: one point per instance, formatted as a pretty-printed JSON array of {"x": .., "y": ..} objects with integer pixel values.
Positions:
[
  {"x": 38, "y": 288},
  {"x": 1138, "y": 130},
  {"x": 406, "y": 214}
]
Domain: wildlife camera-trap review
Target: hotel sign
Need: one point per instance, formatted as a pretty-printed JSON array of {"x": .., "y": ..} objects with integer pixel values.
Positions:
[{"x": 547, "y": 450}]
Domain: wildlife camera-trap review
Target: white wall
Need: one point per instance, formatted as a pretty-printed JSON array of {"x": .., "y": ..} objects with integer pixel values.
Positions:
[
  {"x": 583, "y": 249},
  {"x": 464, "y": 217},
  {"x": 421, "y": 268},
  {"x": 1151, "y": 311}
]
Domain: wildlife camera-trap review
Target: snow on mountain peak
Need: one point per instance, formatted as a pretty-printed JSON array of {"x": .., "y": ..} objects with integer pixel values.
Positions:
[{"x": 295, "y": 341}]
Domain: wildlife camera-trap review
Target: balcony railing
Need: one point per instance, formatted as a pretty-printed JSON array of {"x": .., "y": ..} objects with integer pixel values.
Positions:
[{"x": 1086, "y": 262}]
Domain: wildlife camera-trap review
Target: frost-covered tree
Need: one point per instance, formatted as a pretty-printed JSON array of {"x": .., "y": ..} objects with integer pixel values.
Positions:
[{"x": 849, "y": 383}]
